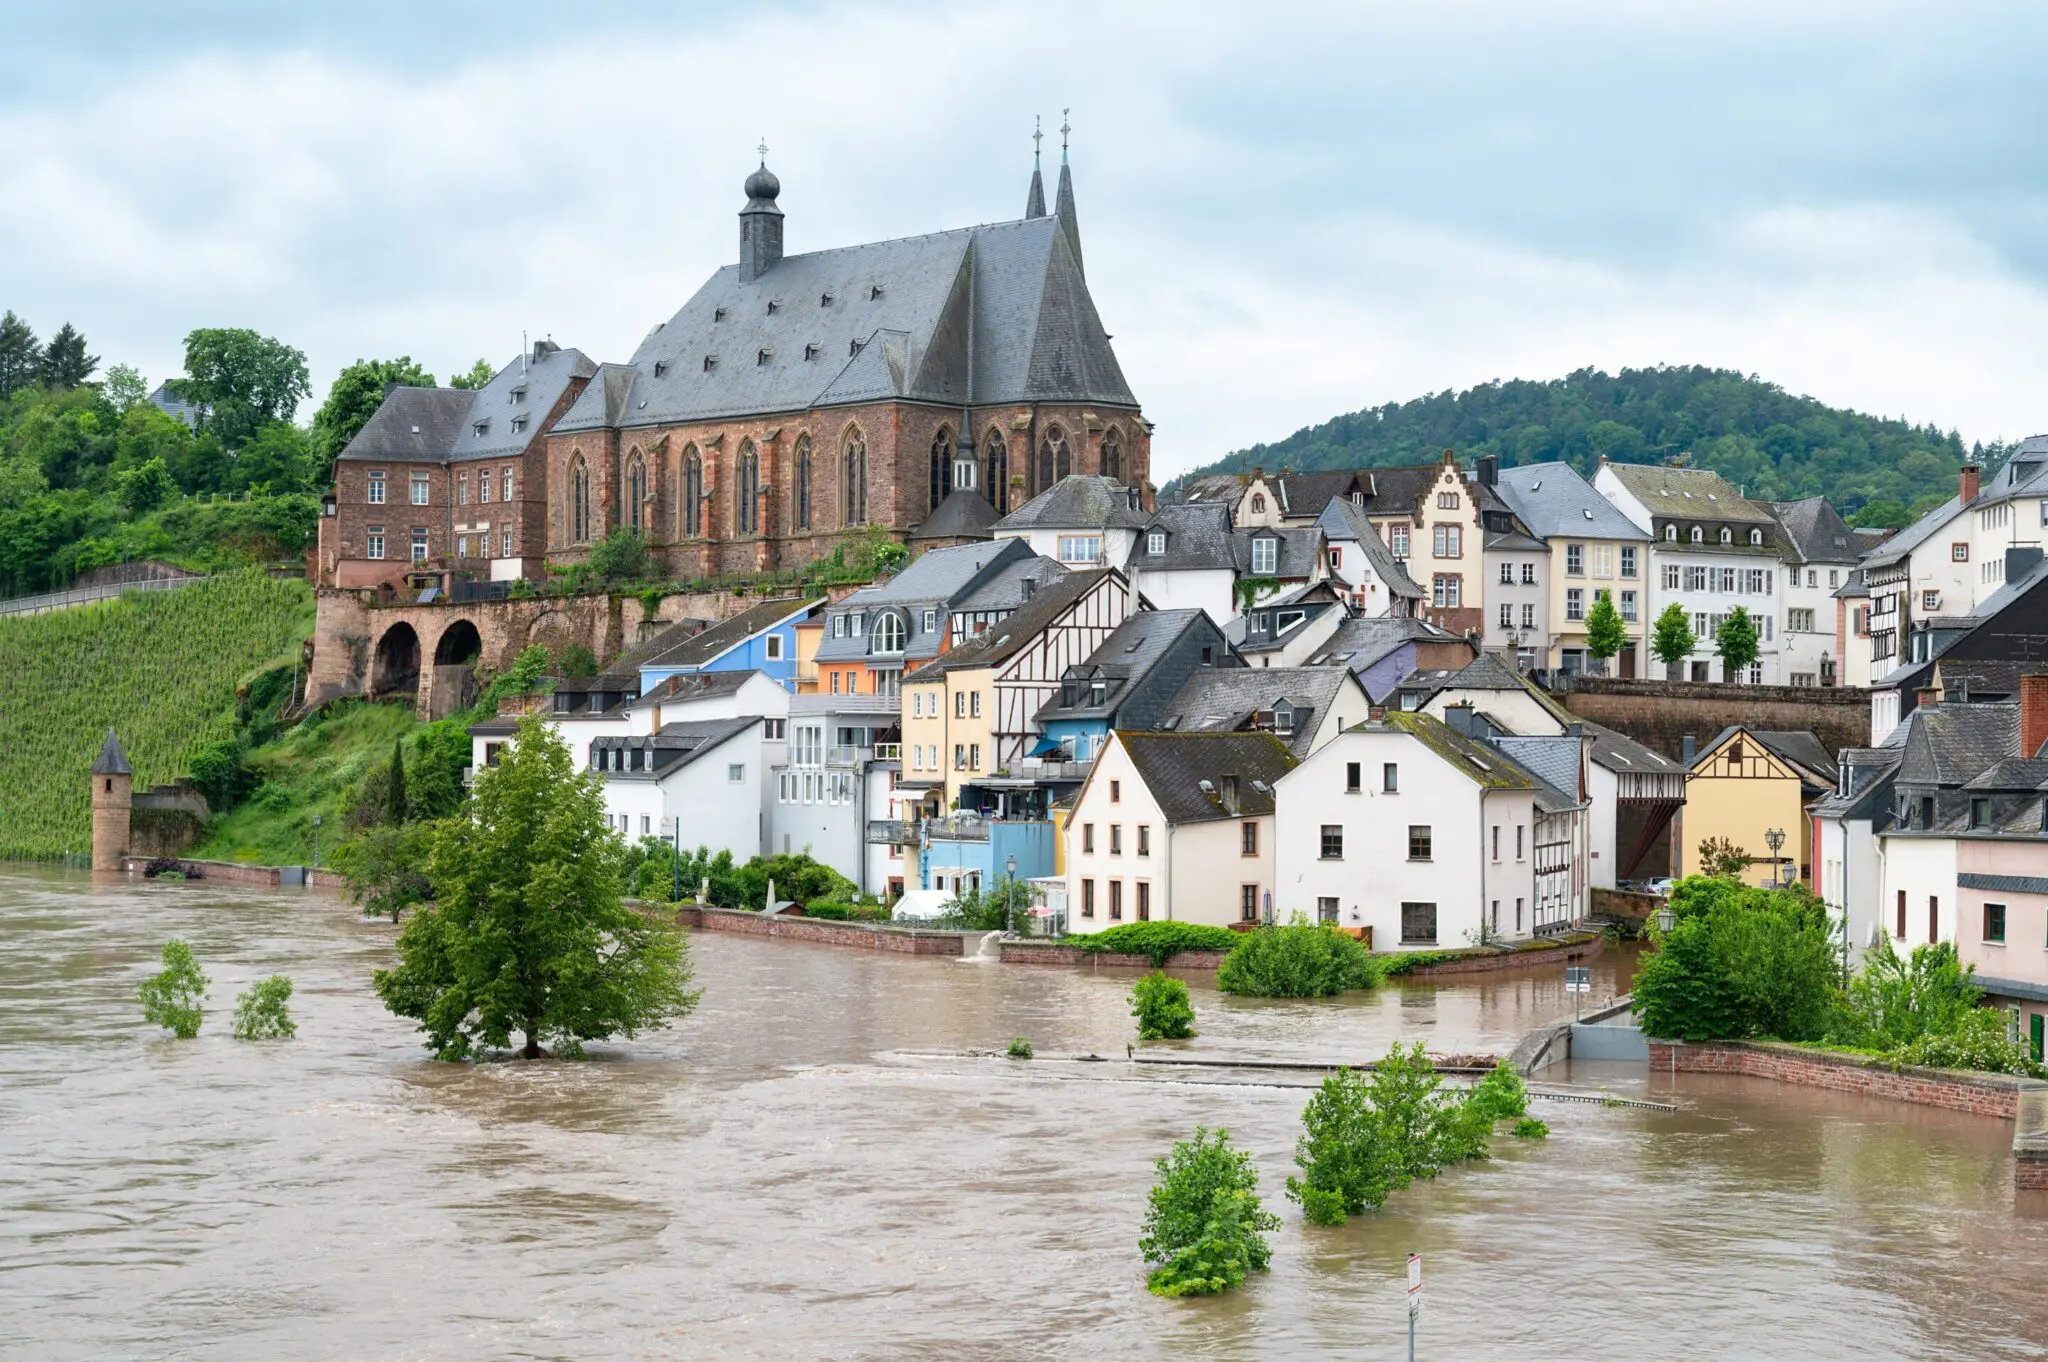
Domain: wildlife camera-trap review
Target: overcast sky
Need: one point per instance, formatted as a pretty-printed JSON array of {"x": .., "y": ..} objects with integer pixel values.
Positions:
[{"x": 1289, "y": 211}]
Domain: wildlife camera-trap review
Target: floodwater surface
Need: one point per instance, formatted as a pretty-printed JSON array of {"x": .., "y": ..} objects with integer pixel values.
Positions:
[{"x": 810, "y": 1167}]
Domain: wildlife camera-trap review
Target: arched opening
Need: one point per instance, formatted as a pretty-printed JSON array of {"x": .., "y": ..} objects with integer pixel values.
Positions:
[
  {"x": 747, "y": 491},
  {"x": 1112, "y": 455},
  {"x": 1055, "y": 459},
  {"x": 636, "y": 492},
  {"x": 460, "y": 643},
  {"x": 396, "y": 667},
  {"x": 800, "y": 503},
  {"x": 942, "y": 466},
  {"x": 693, "y": 493},
  {"x": 995, "y": 470},
  {"x": 854, "y": 478},
  {"x": 579, "y": 501}
]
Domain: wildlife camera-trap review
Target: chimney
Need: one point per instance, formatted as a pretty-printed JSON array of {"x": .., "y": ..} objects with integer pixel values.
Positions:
[
  {"x": 2020, "y": 559},
  {"x": 1688, "y": 748},
  {"x": 2033, "y": 713},
  {"x": 1972, "y": 477},
  {"x": 1489, "y": 470},
  {"x": 1230, "y": 789}
]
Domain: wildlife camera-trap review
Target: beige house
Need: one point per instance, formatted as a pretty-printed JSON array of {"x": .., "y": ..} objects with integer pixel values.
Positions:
[
  {"x": 1745, "y": 786},
  {"x": 1590, "y": 547},
  {"x": 1175, "y": 826}
]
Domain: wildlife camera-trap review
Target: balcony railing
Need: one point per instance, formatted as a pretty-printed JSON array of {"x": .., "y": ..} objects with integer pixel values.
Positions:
[
  {"x": 843, "y": 756},
  {"x": 894, "y": 832},
  {"x": 956, "y": 829}
]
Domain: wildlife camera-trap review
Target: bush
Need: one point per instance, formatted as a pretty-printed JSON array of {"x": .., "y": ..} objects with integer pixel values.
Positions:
[
  {"x": 1300, "y": 960},
  {"x": 620, "y": 555},
  {"x": 1893, "y": 1001},
  {"x": 1020, "y": 1048},
  {"x": 173, "y": 997},
  {"x": 1160, "y": 941},
  {"x": 1205, "y": 1227},
  {"x": 1741, "y": 962},
  {"x": 864, "y": 911},
  {"x": 1501, "y": 1095},
  {"x": 1160, "y": 1003},
  {"x": 1977, "y": 1041},
  {"x": 386, "y": 868},
  {"x": 1409, "y": 961},
  {"x": 576, "y": 660},
  {"x": 1529, "y": 1128},
  {"x": 997, "y": 908},
  {"x": 1341, "y": 1152},
  {"x": 261, "y": 1014}
]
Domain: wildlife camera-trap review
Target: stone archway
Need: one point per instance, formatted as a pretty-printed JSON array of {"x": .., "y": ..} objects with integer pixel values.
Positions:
[
  {"x": 395, "y": 668},
  {"x": 453, "y": 686},
  {"x": 460, "y": 643}
]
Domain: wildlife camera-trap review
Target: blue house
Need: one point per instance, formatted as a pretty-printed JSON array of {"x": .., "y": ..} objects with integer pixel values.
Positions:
[
  {"x": 1127, "y": 680},
  {"x": 760, "y": 638},
  {"x": 969, "y": 852}
]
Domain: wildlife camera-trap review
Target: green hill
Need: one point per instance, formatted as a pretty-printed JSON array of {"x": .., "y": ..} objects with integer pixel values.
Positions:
[
  {"x": 160, "y": 668},
  {"x": 1753, "y": 433}
]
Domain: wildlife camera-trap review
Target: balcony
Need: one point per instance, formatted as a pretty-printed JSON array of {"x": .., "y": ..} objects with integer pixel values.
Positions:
[
  {"x": 1035, "y": 771},
  {"x": 893, "y": 832}
]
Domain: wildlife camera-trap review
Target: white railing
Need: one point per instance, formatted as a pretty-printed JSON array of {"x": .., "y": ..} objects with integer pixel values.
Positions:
[{"x": 86, "y": 595}]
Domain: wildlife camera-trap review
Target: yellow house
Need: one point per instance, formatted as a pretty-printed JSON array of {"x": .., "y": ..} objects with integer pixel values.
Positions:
[
  {"x": 948, "y": 732},
  {"x": 1750, "y": 786}
]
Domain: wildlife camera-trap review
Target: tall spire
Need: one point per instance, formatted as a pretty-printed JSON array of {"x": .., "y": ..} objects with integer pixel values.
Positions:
[
  {"x": 1070, "y": 222},
  {"x": 1034, "y": 203}
]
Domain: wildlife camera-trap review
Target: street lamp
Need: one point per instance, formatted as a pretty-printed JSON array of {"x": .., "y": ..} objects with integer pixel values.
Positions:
[
  {"x": 1774, "y": 839},
  {"x": 1010, "y": 895},
  {"x": 1666, "y": 920}
]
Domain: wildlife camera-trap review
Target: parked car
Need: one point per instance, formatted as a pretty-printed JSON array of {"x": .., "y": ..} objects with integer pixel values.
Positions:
[{"x": 1660, "y": 886}]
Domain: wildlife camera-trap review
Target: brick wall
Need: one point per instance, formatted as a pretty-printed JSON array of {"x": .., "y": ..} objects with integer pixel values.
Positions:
[
  {"x": 1577, "y": 953},
  {"x": 858, "y": 935},
  {"x": 1033, "y": 953},
  {"x": 1658, "y": 714},
  {"x": 1980, "y": 1094}
]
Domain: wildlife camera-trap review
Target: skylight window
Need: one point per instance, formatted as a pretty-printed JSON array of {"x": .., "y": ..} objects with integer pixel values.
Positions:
[
  {"x": 481, "y": 429},
  {"x": 810, "y": 352},
  {"x": 853, "y": 347},
  {"x": 762, "y": 356},
  {"x": 518, "y": 395},
  {"x": 773, "y": 305},
  {"x": 874, "y": 292},
  {"x": 717, "y": 314},
  {"x": 660, "y": 367},
  {"x": 824, "y": 300},
  {"x": 710, "y": 363}
]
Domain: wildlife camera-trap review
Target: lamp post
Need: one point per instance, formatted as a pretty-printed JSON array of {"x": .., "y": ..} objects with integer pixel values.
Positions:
[
  {"x": 1010, "y": 895},
  {"x": 1775, "y": 839},
  {"x": 1666, "y": 920}
]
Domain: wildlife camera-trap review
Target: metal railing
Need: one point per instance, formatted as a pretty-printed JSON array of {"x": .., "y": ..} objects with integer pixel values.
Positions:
[
  {"x": 86, "y": 595},
  {"x": 893, "y": 832}
]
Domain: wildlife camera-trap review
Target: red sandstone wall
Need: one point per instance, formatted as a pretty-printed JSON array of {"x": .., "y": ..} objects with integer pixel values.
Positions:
[
  {"x": 1980, "y": 1094},
  {"x": 858, "y": 935}
]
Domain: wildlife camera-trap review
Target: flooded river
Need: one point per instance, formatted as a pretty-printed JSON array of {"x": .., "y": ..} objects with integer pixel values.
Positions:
[{"x": 801, "y": 1170}]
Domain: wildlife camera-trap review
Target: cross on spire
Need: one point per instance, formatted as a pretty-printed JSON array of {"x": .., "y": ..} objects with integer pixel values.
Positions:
[
  {"x": 1064, "y": 130},
  {"x": 1037, "y": 135},
  {"x": 763, "y": 149}
]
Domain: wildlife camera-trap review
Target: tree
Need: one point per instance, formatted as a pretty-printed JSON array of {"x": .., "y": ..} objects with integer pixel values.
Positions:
[
  {"x": 528, "y": 933},
  {"x": 261, "y": 1012},
  {"x": 1736, "y": 642},
  {"x": 385, "y": 868},
  {"x": 620, "y": 555},
  {"x": 576, "y": 660},
  {"x": 277, "y": 458},
  {"x": 143, "y": 489},
  {"x": 1204, "y": 1225},
  {"x": 352, "y": 400},
  {"x": 1719, "y": 856},
  {"x": 1671, "y": 640},
  {"x": 479, "y": 376},
  {"x": 1606, "y": 635},
  {"x": 64, "y": 363},
  {"x": 1160, "y": 1003},
  {"x": 241, "y": 381},
  {"x": 1741, "y": 961},
  {"x": 124, "y": 387},
  {"x": 1300, "y": 960},
  {"x": 394, "y": 791},
  {"x": 172, "y": 998},
  {"x": 20, "y": 355}
]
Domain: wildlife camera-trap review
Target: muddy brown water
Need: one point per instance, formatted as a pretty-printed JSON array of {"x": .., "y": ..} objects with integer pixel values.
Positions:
[{"x": 801, "y": 1170}]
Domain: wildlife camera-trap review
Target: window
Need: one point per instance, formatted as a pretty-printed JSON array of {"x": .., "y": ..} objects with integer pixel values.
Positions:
[
  {"x": 1628, "y": 560},
  {"x": 1419, "y": 841},
  {"x": 1699, "y": 536},
  {"x": 1326, "y": 911},
  {"x": 1397, "y": 543},
  {"x": 960, "y": 762},
  {"x": 1087, "y": 898},
  {"x": 1087, "y": 838},
  {"x": 1333, "y": 841},
  {"x": 1756, "y": 538},
  {"x": 1144, "y": 839},
  {"x": 1116, "y": 792},
  {"x": 1727, "y": 577},
  {"x": 1728, "y": 535},
  {"x": 1799, "y": 621},
  {"x": 505, "y": 485},
  {"x": 375, "y": 540},
  {"x": 1518, "y": 841},
  {"x": 746, "y": 492},
  {"x": 1448, "y": 541},
  {"x": 1980, "y": 812},
  {"x": 1574, "y": 560},
  {"x": 1056, "y": 460},
  {"x": 1116, "y": 839},
  {"x": 1353, "y": 778},
  {"x": 1671, "y": 576},
  {"x": 1248, "y": 903},
  {"x": 1080, "y": 548},
  {"x": 974, "y": 704},
  {"x": 853, "y": 485},
  {"x": 1933, "y": 919},
  {"x": 375, "y": 495},
  {"x": 1258, "y": 503},
  {"x": 419, "y": 545},
  {"x": 1155, "y": 543},
  {"x": 1390, "y": 778},
  {"x": 1265, "y": 556},
  {"x": 1671, "y": 534},
  {"x": 1418, "y": 923},
  {"x": 579, "y": 501},
  {"x": 1447, "y": 501},
  {"x": 1446, "y": 589},
  {"x": 1628, "y": 606},
  {"x": 419, "y": 490},
  {"x": 1930, "y": 600},
  {"x": 462, "y": 489},
  {"x": 1575, "y": 603},
  {"x": 1116, "y": 900},
  {"x": 1507, "y": 615},
  {"x": 736, "y": 773},
  {"x": 1496, "y": 841},
  {"x": 1760, "y": 581},
  {"x": 1698, "y": 578},
  {"x": 888, "y": 633},
  {"x": 1959, "y": 552},
  {"x": 1528, "y": 574},
  {"x": 1901, "y": 932},
  {"x": 974, "y": 756},
  {"x": 1528, "y": 615},
  {"x": 1248, "y": 838},
  {"x": 959, "y": 704},
  {"x": 771, "y": 647}
]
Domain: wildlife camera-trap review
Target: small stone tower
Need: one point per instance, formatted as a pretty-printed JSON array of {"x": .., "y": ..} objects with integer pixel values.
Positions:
[
  {"x": 113, "y": 797},
  {"x": 760, "y": 223}
]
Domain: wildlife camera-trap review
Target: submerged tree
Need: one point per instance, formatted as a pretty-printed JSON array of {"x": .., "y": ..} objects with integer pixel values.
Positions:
[
  {"x": 1205, "y": 1227},
  {"x": 528, "y": 934},
  {"x": 262, "y": 1013},
  {"x": 172, "y": 998}
]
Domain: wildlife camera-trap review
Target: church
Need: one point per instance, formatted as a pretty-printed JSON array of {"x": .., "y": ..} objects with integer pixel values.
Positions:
[{"x": 934, "y": 382}]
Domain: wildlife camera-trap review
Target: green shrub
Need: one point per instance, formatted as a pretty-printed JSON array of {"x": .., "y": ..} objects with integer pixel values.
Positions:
[
  {"x": 261, "y": 1012},
  {"x": 848, "y": 912},
  {"x": 1020, "y": 1048},
  {"x": 1977, "y": 1041},
  {"x": 1501, "y": 1095},
  {"x": 1204, "y": 1227},
  {"x": 1159, "y": 941},
  {"x": 1741, "y": 962},
  {"x": 1409, "y": 961},
  {"x": 1343, "y": 1157},
  {"x": 1300, "y": 960},
  {"x": 1529, "y": 1128},
  {"x": 1004, "y": 904},
  {"x": 1895, "y": 1001},
  {"x": 576, "y": 660},
  {"x": 620, "y": 555},
  {"x": 1160, "y": 1003},
  {"x": 173, "y": 997}
]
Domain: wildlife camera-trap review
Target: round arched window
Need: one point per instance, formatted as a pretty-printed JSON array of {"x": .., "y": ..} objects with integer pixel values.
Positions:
[
  {"x": 1727, "y": 535},
  {"x": 889, "y": 633}
]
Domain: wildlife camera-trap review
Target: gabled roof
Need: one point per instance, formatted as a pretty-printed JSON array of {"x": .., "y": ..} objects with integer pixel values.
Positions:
[
  {"x": 1869, "y": 771},
  {"x": 685, "y": 687},
  {"x": 1555, "y": 502},
  {"x": 112, "y": 761},
  {"x": 1227, "y": 699},
  {"x": 964, "y": 514},
  {"x": 887, "y": 319},
  {"x": 940, "y": 575},
  {"x": 1688, "y": 494},
  {"x": 1342, "y": 522},
  {"x": 1174, "y": 766},
  {"x": 1216, "y": 487},
  {"x": 693, "y": 649},
  {"x": 1304, "y": 495},
  {"x": 1130, "y": 652},
  {"x": 1079, "y": 501},
  {"x": 1197, "y": 540},
  {"x": 1552, "y": 762},
  {"x": 1017, "y": 583},
  {"x": 1898, "y": 546},
  {"x": 1398, "y": 490},
  {"x": 1297, "y": 548},
  {"x": 1950, "y": 744},
  {"x": 1797, "y": 748},
  {"x": 1815, "y": 532},
  {"x": 412, "y": 425},
  {"x": 442, "y": 425},
  {"x": 2012, "y": 773},
  {"x": 1007, "y": 637},
  {"x": 1364, "y": 639},
  {"x": 675, "y": 746},
  {"x": 1470, "y": 758},
  {"x": 1620, "y": 753},
  {"x": 1489, "y": 672}
]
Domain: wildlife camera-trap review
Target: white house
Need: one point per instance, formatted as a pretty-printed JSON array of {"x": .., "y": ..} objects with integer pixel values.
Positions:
[
  {"x": 1184, "y": 559},
  {"x": 711, "y": 695},
  {"x": 1820, "y": 553},
  {"x": 1372, "y": 581},
  {"x": 1083, "y": 520},
  {"x": 1410, "y": 832},
  {"x": 709, "y": 776},
  {"x": 1175, "y": 826}
]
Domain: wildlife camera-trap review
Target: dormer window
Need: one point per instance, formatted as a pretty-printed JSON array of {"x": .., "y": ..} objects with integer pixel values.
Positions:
[
  {"x": 889, "y": 633},
  {"x": 481, "y": 429},
  {"x": 810, "y": 352},
  {"x": 1265, "y": 556},
  {"x": 1756, "y": 538},
  {"x": 660, "y": 367},
  {"x": 518, "y": 424},
  {"x": 1358, "y": 498},
  {"x": 874, "y": 292},
  {"x": 762, "y": 357},
  {"x": 717, "y": 314},
  {"x": 773, "y": 304},
  {"x": 1980, "y": 812},
  {"x": 1699, "y": 536},
  {"x": 1283, "y": 718},
  {"x": 824, "y": 300},
  {"x": 1155, "y": 543},
  {"x": 710, "y": 363},
  {"x": 518, "y": 396},
  {"x": 1727, "y": 535},
  {"x": 853, "y": 347},
  {"x": 1671, "y": 534}
]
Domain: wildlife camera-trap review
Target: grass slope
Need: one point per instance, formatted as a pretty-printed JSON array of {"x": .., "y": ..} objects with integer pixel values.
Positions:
[
  {"x": 308, "y": 770},
  {"x": 160, "y": 668}
]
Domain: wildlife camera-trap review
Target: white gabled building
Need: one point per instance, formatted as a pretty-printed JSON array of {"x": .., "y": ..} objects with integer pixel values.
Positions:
[{"x": 710, "y": 775}]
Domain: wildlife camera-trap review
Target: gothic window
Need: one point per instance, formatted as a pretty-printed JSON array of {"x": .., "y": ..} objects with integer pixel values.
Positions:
[
  {"x": 579, "y": 501},
  {"x": 942, "y": 466},
  {"x": 746, "y": 491},
  {"x": 1112, "y": 455},
  {"x": 995, "y": 466},
  {"x": 854, "y": 477},
  {"x": 636, "y": 492},
  {"x": 693, "y": 493},
  {"x": 801, "y": 509},
  {"x": 1055, "y": 460}
]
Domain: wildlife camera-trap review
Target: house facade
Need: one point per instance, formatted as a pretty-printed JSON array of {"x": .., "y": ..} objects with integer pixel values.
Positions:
[
  {"x": 1589, "y": 546},
  {"x": 1749, "y": 784}
]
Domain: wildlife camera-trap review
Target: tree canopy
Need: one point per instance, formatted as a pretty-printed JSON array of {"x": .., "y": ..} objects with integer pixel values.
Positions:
[
  {"x": 241, "y": 381},
  {"x": 353, "y": 400},
  {"x": 1754, "y": 433}
]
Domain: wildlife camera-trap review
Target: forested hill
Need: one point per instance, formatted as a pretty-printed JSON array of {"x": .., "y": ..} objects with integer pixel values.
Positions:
[{"x": 1755, "y": 434}]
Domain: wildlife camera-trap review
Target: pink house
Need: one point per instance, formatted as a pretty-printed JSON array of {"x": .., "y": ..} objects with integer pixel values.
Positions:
[{"x": 2002, "y": 920}]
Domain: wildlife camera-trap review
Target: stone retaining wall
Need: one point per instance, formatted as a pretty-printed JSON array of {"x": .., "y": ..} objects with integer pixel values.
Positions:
[
  {"x": 1576, "y": 953},
  {"x": 1980, "y": 1094},
  {"x": 239, "y": 872},
  {"x": 1032, "y": 953},
  {"x": 859, "y": 935}
]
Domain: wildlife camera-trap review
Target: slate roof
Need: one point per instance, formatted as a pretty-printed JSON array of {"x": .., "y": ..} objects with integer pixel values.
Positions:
[
  {"x": 1489, "y": 671},
  {"x": 1869, "y": 771},
  {"x": 1015, "y": 584},
  {"x": 1304, "y": 495},
  {"x": 1079, "y": 501},
  {"x": 1215, "y": 487},
  {"x": 1173, "y": 766},
  {"x": 1689, "y": 494},
  {"x": 1367, "y": 639},
  {"x": 1815, "y": 531},
  {"x": 443, "y": 425},
  {"x": 1197, "y": 539},
  {"x": 1226, "y": 699},
  {"x": 2011, "y": 773},
  {"x": 112, "y": 761},
  {"x": 888, "y": 319},
  {"x": 964, "y": 514},
  {"x": 1899, "y": 545},
  {"x": 1953, "y": 743},
  {"x": 698, "y": 649},
  {"x": 1398, "y": 489},
  {"x": 1004, "y": 639},
  {"x": 1853, "y": 586},
  {"x": 1475, "y": 760},
  {"x": 1554, "y": 501},
  {"x": 675, "y": 746},
  {"x": 2025, "y": 471},
  {"x": 1551, "y": 762},
  {"x": 685, "y": 687},
  {"x": 1132, "y": 650},
  {"x": 1619, "y": 752},
  {"x": 412, "y": 425},
  {"x": 942, "y": 574},
  {"x": 1342, "y": 522},
  {"x": 1299, "y": 547}
]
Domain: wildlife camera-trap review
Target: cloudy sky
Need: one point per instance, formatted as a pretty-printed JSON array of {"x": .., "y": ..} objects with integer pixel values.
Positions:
[{"x": 1289, "y": 210}]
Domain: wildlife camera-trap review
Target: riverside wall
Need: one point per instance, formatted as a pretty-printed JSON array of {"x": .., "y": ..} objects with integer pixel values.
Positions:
[
  {"x": 1660, "y": 714},
  {"x": 239, "y": 872},
  {"x": 1572, "y": 952},
  {"x": 858, "y": 935}
]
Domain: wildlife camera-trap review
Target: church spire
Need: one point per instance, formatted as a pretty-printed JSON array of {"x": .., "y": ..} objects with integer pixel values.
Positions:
[
  {"x": 1034, "y": 203},
  {"x": 1070, "y": 222}
]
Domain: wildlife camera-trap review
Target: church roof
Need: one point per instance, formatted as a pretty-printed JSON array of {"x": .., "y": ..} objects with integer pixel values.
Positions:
[
  {"x": 889, "y": 319},
  {"x": 112, "y": 760}
]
